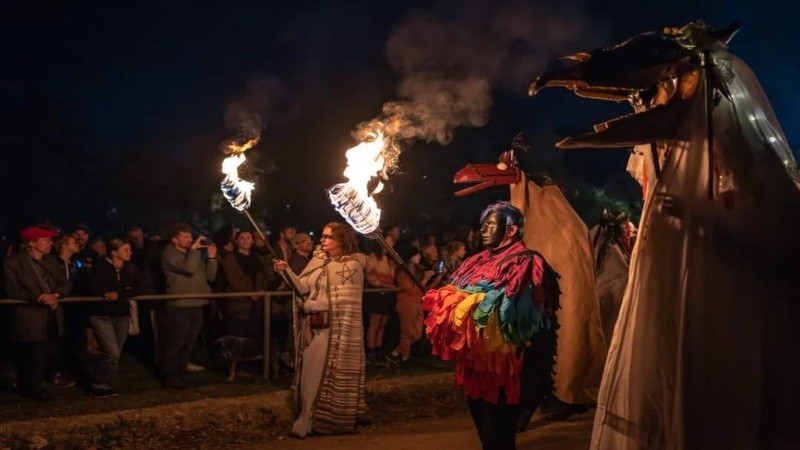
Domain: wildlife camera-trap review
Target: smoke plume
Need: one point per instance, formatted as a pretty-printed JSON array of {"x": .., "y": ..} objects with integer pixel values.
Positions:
[
  {"x": 264, "y": 101},
  {"x": 451, "y": 59}
]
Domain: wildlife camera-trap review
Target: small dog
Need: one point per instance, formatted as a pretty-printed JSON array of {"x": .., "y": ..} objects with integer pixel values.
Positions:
[{"x": 237, "y": 349}]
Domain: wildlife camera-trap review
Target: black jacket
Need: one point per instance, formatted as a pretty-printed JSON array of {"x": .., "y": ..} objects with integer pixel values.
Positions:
[
  {"x": 29, "y": 322},
  {"x": 105, "y": 278}
]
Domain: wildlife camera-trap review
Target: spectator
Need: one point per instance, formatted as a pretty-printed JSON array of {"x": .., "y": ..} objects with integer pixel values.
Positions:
[
  {"x": 142, "y": 248},
  {"x": 245, "y": 271},
  {"x": 73, "y": 343},
  {"x": 454, "y": 255},
  {"x": 98, "y": 246},
  {"x": 409, "y": 310},
  {"x": 225, "y": 239},
  {"x": 302, "y": 246},
  {"x": 114, "y": 279},
  {"x": 135, "y": 236},
  {"x": 35, "y": 276},
  {"x": 431, "y": 239},
  {"x": 214, "y": 324},
  {"x": 283, "y": 245},
  {"x": 65, "y": 248},
  {"x": 428, "y": 261},
  {"x": 186, "y": 273},
  {"x": 157, "y": 282},
  {"x": 83, "y": 259},
  {"x": 379, "y": 305},
  {"x": 81, "y": 234},
  {"x": 394, "y": 231},
  {"x": 146, "y": 257},
  {"x": 430, "y": 257},
  {"x": 470, "y": 237}
]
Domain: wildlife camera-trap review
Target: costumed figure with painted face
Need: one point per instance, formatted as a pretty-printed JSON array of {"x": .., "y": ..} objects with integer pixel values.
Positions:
[{"x": 496, "y": 318}]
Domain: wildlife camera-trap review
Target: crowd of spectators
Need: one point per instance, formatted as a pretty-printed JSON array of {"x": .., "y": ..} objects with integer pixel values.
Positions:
[{"x": 50, "y": 342}]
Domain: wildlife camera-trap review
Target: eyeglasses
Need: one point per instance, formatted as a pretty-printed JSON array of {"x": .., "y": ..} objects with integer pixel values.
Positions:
[{"x": 326, "y": 236}]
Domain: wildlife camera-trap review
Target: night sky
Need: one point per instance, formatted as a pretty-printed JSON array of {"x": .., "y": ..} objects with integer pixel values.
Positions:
[{"x": 113, "y": 115}]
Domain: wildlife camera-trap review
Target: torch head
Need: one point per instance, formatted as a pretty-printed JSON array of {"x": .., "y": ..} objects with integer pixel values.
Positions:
[
  {"x": 235, "y": 190},
  {"x": 361, "y": 213}
]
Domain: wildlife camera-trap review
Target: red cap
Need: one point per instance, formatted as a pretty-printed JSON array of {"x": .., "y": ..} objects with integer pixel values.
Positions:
[{"x": 33, "y": 233}]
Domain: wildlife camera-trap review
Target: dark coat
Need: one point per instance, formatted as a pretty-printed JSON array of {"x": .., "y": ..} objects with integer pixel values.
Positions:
[
  {"x": 29, "y": 322},
  {"x": 237, "y": 281},
  {"x": 104, "y": 279}
]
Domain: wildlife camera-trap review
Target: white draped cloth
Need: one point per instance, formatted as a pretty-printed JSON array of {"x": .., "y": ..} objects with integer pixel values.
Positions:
[{"x": 703, "y": 350}]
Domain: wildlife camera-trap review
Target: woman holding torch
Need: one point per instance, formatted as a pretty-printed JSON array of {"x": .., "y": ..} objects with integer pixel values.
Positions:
[{"x": 329, "y": 378}]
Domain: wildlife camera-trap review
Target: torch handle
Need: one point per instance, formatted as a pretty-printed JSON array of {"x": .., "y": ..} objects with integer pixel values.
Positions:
[
  {"x": 378, "y": 236},
  {"x": 287, "y": 279}
]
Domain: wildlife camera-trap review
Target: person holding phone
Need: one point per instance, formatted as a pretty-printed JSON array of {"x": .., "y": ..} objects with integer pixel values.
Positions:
[
  {"x": 429, "y": 261},
  {"x": 186, "y": 273}
]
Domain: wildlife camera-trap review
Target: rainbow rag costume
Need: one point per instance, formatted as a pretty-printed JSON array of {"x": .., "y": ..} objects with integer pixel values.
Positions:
[{"x": 497, "y": 302}]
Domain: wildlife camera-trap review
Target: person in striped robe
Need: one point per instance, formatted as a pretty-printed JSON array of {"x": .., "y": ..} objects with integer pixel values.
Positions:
[{"x": 329, "y": 383}]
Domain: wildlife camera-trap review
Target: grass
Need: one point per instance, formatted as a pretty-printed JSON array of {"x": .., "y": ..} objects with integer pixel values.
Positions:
[
  {"x": 138, "y": 388},
  {"x": 216, "y": 413}
]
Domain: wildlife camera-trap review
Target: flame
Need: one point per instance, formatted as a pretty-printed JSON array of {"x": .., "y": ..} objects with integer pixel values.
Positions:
[
  {"x": 234, "y": 148},
  {"x": 353, "y": 199},
  {"x": 236, "y": 190},
  {"x": 365, "y": 161}
]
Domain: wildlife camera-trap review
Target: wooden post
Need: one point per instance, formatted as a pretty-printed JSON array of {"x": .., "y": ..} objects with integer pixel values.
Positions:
[{"x": 266, "y": 338}]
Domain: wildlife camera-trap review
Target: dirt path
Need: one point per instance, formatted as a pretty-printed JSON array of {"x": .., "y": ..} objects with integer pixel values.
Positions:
[{"x": 455, "y": 433}]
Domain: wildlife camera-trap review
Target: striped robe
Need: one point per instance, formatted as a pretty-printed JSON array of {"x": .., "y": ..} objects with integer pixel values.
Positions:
[{"x": 337, "y": 388}]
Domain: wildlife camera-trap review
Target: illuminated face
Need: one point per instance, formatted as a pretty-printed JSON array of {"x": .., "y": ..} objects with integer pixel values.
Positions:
[
  {"x": 244, "y": 240},
  {"x": 81, "y": 236},
  {"x": 431, "y": 253},
  {"x": 330, "y": 245},
  {"x": 42, "y": 245},
  {"x": 305, "y": 245},
  {"x": 493, "y": 230},
  {"x": 99, "y": 246},
  {"x": 123, "y": 253},
  {"x": 183, "y": 240},
  {"x": 70, "y": 246},
  {"x": 288, "y": 234},
  {"x": 461, "y": 252}
]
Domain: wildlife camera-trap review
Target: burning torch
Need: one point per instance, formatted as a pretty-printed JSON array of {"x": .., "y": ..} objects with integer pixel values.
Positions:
[
  {"x": 354, "y": 201},
  {"x": 238, "y": 191}
]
